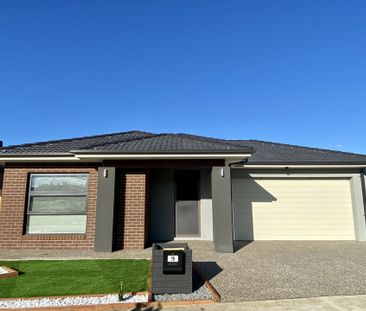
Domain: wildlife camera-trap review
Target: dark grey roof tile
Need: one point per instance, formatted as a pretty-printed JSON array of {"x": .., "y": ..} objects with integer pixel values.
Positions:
[
  {"x": 66, "y": 145},
  {"x": 171, "y": 143},
  {"x": 144, "y": 142},
  {"x": 270, "y": 152}
]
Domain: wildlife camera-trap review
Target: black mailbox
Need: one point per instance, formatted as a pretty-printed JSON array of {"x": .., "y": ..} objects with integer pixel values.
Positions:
[
  {"x": 173, "y": 262},
  {"x": 171, "y": 269}
]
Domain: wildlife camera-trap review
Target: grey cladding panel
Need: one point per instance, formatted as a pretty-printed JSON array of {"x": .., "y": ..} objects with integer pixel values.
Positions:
[
  {"x": 105, "y": 209},
  {"x": 162, "y": 205},
  {"x": 222, "y": 210}
]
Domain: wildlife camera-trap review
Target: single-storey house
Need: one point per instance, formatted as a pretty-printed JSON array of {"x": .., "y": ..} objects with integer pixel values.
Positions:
[{"x": 127, "y": 190}]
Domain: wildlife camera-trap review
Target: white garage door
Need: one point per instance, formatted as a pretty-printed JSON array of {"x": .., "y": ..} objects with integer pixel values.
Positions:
[{"x": 292, "y": 209}]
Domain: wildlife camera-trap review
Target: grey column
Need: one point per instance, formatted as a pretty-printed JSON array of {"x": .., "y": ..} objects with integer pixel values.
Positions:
[
  {"x": 103, "y": 241},
  {"x": 222, "y": 210},
  {"x": 358, "y": 205}
]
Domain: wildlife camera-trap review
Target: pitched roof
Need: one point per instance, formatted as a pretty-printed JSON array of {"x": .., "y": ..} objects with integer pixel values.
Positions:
[
  {"x": 168, "y": 143},
  {"x": 128, "y": 142},
  {"x": 135, "y": 142},
  {"x": 66, "y": 145},
  {"x": 277, "y": 153}
]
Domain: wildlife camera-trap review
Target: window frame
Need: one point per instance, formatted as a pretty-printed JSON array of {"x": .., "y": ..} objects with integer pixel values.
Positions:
[{"x": 32, "y": 194}]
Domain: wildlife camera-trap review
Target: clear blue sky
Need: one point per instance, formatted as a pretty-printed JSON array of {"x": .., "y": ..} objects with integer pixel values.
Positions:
[{"x": 287, "y": 71}]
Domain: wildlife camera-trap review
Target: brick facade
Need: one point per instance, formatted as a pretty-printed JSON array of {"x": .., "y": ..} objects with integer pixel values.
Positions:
[
  {"x": 132, "y": 211},
  {"x": 13, "y": 207}
]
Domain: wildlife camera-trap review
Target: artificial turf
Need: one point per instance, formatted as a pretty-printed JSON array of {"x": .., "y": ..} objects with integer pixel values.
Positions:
[{"x": 74, "y": 277}]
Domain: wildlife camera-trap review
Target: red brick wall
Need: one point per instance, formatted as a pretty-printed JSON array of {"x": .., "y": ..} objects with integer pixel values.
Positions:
[
  {"x": 13, "y": 207},
  {"x": 132, "y": 210}
]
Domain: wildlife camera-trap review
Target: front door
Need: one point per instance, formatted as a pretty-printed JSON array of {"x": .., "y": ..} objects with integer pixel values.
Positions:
[{"x": 187, "y": 220}]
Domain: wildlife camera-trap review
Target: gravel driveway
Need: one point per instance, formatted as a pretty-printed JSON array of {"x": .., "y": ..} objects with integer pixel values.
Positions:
[{"x": 262, "y": 270}]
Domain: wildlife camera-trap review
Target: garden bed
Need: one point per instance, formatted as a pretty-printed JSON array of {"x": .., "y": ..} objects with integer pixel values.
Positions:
[{"x": 73, "y": 301}]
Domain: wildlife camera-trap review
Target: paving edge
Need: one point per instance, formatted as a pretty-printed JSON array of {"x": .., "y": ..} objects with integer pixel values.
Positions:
[
  {"x": 10, "y": 273},
  {"x": 215, "y": 294}
]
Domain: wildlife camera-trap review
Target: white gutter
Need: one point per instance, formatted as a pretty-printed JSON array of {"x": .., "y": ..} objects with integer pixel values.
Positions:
[
  {"x": 163, "y": 156},
  {"x": 38, "y": 159},
  {"x": 101, "y": 157},
  {"x": 263, "y": 166}
]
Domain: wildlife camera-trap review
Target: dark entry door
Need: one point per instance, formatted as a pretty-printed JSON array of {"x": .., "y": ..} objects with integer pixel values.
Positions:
[{"x": 187, "y": 218}]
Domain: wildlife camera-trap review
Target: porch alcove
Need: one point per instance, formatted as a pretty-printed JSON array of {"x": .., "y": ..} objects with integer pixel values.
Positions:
[{"x": 136, "y": 203}]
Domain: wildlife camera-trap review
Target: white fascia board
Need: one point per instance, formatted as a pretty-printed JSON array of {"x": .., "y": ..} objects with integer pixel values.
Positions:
[
  {"x": 162, "y": 156},
  {"x": 304, "y": 175},
  {"x": 38, "y": 159},
  {"x": 101, "y": 157},
  {"x": 300, "y": 166}
]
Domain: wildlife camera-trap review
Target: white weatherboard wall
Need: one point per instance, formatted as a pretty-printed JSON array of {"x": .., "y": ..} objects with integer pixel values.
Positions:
[{"x": 292, "y": 209}]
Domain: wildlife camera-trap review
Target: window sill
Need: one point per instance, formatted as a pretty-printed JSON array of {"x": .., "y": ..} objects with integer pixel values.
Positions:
[{"x": 47, "y": 236}]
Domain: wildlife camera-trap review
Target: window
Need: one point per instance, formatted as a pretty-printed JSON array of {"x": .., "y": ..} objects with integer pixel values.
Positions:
[{"x": 57, "y": 203}]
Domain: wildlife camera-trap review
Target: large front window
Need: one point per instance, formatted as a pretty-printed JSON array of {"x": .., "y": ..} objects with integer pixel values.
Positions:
[{"x": 57, "y": 203}]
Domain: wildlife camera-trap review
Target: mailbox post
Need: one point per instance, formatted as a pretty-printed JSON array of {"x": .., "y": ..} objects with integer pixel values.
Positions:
[{"x": 171, "y": 269}]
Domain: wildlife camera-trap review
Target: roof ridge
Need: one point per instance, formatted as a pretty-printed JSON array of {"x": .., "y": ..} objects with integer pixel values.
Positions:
[
  {"x": 222, "y": 142},
  {"x": 121, "y": 141},
  {"x": 71, "y": 139},
  {"x": 303, "y": 147},
  {"x": 207, "y": 138}
]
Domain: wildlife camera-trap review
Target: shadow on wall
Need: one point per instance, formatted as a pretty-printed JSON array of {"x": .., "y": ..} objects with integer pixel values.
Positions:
[
  {"x": 246, "y": 191},
  {"x": 119, "y": 211}
]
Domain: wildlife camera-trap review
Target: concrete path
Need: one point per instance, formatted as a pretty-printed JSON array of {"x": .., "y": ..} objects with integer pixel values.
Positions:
[{"x": 339, "y": 303}]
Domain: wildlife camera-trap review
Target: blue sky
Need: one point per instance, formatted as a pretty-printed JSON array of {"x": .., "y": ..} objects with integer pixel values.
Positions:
[{"x": 286, "y": 71}]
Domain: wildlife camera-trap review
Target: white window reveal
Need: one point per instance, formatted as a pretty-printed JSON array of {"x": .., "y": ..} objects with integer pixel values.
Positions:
[{"x": 57, "y": 204}]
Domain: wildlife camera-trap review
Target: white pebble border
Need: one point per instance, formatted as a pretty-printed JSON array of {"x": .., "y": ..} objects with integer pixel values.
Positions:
[{"x": 70, "y": 301}]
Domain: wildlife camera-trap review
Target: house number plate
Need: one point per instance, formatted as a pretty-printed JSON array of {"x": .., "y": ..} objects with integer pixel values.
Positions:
[{"x": 173, "y": 258}]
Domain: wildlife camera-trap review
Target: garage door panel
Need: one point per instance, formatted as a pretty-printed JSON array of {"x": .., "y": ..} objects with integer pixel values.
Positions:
[
  {"x": 291, "y": 206},
  {"x": 303, "y": 221},
  {"x": 293, "y": 236},
  {"x": 292, "y": 209},
  {"x": 323, "y": 210},
  {"x": 312, "y": 200}
]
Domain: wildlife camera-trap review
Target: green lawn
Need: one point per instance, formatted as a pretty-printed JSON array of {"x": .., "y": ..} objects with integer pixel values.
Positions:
[{"x": 74, "y": 277}]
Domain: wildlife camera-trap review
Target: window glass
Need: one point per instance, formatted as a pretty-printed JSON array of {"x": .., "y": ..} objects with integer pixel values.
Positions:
[
  {"x": 56, "y": 224},
  {"x": 56, "y": 205},
  {"x": 61, "y": 183}
]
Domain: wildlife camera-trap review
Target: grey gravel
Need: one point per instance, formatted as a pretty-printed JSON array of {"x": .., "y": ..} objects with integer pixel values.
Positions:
[
  {"x": 264, "y": 270},
  {"x": 200, "y": 292},
  {"x": 69, "y": 301}
]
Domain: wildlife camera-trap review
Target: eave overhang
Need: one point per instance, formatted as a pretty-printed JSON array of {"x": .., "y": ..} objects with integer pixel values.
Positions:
[
  {"x": 303, "y": 165},
  {"x": 101, "y": 156}
]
